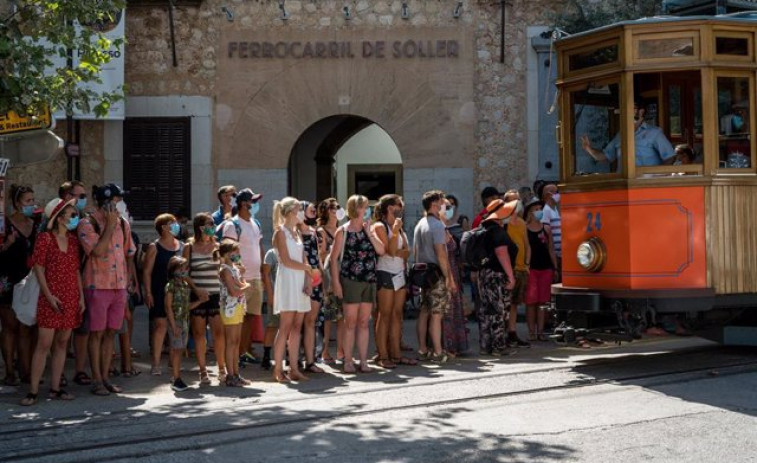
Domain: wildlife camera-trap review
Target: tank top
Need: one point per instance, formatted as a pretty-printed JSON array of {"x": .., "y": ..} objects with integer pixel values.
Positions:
[
  {"x": 159, "y": 277},
  {"x": 204, "y": 272},
  {"x": 391, "y": 264},
  {"x": 359, "y": 262},
  {"x": 539, "y": 242}
]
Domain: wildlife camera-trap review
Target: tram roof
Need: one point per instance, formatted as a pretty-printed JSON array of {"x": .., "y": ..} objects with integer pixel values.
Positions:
[{"x": 742, "y": 17}]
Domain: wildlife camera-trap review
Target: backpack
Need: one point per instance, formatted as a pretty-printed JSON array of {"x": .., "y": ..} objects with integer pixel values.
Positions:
[
  {"x": 473, "y": 248},
  {"x": 237, "y": 227}
]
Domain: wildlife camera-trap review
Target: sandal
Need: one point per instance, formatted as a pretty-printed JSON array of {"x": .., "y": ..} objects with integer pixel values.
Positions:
[
  {"x": 280, "y": 377},
  {"x": 204, "y": 378},
  {"x": 112, "y": 387},
  {"x": 405, "y": 361},
  {"x": 99, "y": 389},
  {"x": 60, "y": 394},
  {"x": 349, "y": 368},
  {"x": 82, "y": 379},
  {"x": 114, "y": 372},
  {"x": 364, "y": 368},
  {"x": 30, "y": 399},
  {"x": 130, "y": 373},
  {"x": 297, "y": 376},
  {"x": 312, "y": 368},
  {"x": 386, "y": 363}
]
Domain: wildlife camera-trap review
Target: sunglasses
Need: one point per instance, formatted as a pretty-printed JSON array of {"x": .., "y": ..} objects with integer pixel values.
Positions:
[
  {"x": 335, "y": 207},
  {"x": 71, "y": 215}
]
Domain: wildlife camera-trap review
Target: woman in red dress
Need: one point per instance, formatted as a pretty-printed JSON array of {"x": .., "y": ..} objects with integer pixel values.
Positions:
[{"x": 61, "y": 300}]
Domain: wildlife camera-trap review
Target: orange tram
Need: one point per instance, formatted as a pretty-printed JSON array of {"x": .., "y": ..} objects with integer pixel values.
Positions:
[{"x": 647, "y": 232}]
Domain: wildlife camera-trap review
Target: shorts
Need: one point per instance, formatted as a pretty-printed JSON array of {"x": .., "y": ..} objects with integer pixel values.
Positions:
[
  {"x": 358, "y": 292},
  {"x": 273, "y": 321},
  {"x": 209, "y": 308},
  {"x": 235, "y": 319},
  {"x": 539, "y": 286},
  {"x": 436, "y": 299},
  {"x": 384, "y": 280},
  {"x": 106, "y": 308},
  {"x": 254, "y": 296},
  {"x": 180, "y": 341},
  {"x": 521, "y": 284}
]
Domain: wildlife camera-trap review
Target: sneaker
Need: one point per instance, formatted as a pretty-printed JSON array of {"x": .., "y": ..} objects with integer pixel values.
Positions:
[
  {"x": 247, "y": 358},
  {"x": 156, "y": 371},
  {"x": 516, "y": 342},
  {"x": 265, "y": 364},
  {"x": 179, "y": 385},
  {"x": 439, "y": 358},
  {"x": 503, "y": 352}
]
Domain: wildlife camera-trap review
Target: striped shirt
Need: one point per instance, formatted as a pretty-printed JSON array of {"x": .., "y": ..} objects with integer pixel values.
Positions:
[
  {"x": 204, "y": 272},
  {"x": 552, "y": 218}
]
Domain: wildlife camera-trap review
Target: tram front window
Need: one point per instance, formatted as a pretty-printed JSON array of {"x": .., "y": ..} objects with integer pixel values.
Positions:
[
  {"x": 734, "y": 109},
  {"x": 595, "y": 111}
]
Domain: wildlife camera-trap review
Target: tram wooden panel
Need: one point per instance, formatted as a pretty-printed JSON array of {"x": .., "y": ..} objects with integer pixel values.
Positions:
[
  {"x": 655, "y": 238},
  {"x": 732, "y": 238}
]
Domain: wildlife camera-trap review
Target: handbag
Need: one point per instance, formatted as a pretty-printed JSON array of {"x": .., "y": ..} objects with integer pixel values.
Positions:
[
  {"x": 327, "y": 264},
  {"x": 424, "y": 275},
  {"x": 25, "y": 299}
]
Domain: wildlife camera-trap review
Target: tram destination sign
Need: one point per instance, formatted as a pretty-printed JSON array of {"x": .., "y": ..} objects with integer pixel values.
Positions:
[{"x": 370, "y": 49}]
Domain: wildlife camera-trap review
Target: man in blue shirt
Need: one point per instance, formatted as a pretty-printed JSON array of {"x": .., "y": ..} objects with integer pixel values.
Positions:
[
  {"x": 225, "y": 196},
  {"x": 651, "y": 146}
]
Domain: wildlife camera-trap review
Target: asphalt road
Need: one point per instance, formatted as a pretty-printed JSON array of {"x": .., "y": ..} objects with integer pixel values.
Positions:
[{"x": 666, "y": 399}]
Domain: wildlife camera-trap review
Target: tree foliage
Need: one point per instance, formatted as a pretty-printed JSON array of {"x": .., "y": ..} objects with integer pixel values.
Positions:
[
  {"x": 33, "y": 33},
  {"x": 582, "y": 15}
]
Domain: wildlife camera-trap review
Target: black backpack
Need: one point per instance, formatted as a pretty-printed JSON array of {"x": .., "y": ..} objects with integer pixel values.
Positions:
[{"x": 473, "y": 248}]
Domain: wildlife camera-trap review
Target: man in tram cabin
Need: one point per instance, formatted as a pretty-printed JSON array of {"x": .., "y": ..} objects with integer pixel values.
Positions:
[{"x": 652, "y": 147}]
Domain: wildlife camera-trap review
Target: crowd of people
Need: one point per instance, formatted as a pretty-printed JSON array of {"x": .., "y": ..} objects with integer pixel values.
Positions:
[{"x": 329, "y": 269}]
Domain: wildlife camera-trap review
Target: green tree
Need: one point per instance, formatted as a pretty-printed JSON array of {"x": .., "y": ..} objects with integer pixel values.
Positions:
[
  {"x": 582, "y": 15},
  {"x": 33, "y": 33}
]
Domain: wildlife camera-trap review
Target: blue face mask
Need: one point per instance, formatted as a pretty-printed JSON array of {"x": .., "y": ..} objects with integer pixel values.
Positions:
[
  {"x": 255, "y": 209},
  {"x": 73, "y": 222},
  {"x": 81, "y": 204},
  {"x": 236, "y": 258},
  {"x": 538, "y": 215},
  {"x": 449, "y": 212},
  {"x": 367, "y": 215},
  {"x": 28, "y": 211},
  {"x": 175, "y": 228}
]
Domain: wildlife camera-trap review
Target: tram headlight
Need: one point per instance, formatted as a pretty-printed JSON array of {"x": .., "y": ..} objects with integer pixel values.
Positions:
[{"x": 592, "y": 254}]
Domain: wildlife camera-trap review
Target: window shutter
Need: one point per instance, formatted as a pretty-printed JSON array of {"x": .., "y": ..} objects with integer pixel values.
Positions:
[{"x": 157, "y": 156}]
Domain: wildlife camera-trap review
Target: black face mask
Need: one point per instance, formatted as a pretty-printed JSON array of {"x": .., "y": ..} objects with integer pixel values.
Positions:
[{"x": 309, "y": 221}]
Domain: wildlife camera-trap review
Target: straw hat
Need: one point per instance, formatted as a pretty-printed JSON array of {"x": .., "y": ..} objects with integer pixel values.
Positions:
[
  {"x": 498, "y": 209},
  {"x": 54, "y": 208}
]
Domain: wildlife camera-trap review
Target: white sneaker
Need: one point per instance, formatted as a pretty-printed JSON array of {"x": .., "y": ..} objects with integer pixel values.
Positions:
[{"x": 156, "y": 371}]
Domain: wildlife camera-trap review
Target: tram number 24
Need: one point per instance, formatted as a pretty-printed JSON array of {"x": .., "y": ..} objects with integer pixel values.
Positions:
[{"x": 593, "y": 222}]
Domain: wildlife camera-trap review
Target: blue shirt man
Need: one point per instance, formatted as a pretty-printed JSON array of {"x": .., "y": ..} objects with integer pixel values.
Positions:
[
  {"x": 226, "y": 196},
  {"x": 651, "y": 146}
]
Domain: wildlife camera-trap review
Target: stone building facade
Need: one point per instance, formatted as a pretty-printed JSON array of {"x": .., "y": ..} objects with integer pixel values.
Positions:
[{"x": 253, "y": 83}]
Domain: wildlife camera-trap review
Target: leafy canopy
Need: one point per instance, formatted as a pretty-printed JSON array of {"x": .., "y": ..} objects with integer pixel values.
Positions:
[{"x": 32, "y": 33}]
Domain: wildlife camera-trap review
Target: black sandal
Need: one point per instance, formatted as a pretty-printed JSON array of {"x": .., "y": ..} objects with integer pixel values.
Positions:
[
  {"x": 82, "y": 379},
  {"x": 312, "y": 368},
  {"x": 29, "y": 400},
  {"x": 60, "y": 394}
]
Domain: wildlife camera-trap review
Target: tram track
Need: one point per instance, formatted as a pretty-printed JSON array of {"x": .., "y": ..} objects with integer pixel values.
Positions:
[{"x": 131, "y": 446}]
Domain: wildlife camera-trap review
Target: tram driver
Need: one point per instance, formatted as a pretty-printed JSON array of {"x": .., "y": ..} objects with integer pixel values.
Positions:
[{"x": 652, "y": 147}]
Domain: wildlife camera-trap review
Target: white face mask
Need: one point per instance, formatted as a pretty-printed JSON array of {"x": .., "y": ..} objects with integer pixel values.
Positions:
[
  {"x": 122, "y": 210},
  {"x": 301, "y": 216},
  {"x": 556, "y": 197},
  {"x": 340, "y": 214}
]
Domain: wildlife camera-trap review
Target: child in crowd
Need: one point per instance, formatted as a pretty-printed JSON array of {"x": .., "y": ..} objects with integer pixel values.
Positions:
[
  {"x": 233, "y": 308},
  {"x": 177, "y": 311}
]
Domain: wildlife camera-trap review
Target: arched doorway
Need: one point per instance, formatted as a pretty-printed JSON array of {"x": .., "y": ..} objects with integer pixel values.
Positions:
[{"x": 343, "y": 155}]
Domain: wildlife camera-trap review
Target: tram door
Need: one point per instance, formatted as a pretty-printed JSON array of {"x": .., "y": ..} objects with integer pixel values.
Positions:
[{"x": 682, "y": 108}]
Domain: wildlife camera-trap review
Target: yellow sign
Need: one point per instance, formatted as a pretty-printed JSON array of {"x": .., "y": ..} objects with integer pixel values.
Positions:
[{"x": 11, "y": 122}]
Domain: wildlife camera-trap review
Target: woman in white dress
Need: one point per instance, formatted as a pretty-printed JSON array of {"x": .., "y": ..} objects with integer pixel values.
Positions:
[{"x": 291, "y": 299}]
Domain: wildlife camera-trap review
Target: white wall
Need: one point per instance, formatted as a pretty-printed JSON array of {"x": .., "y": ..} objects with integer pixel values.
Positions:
[{"x": 372, "y": 145}]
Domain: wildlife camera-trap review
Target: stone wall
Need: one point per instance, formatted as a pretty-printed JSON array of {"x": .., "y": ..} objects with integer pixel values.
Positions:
[
  {"x": 499, "y": 122},
  {"x": 45, "y": 177}
]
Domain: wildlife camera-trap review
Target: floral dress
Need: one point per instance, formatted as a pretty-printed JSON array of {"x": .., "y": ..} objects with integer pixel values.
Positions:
[
  {"x": 61, "y": 271},
  {"x": 311, "y": 253},
  {"x": 454, "y": 324}
]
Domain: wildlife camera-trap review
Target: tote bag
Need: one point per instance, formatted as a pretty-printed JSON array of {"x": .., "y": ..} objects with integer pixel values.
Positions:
[{"x": 25, "y": 298}]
